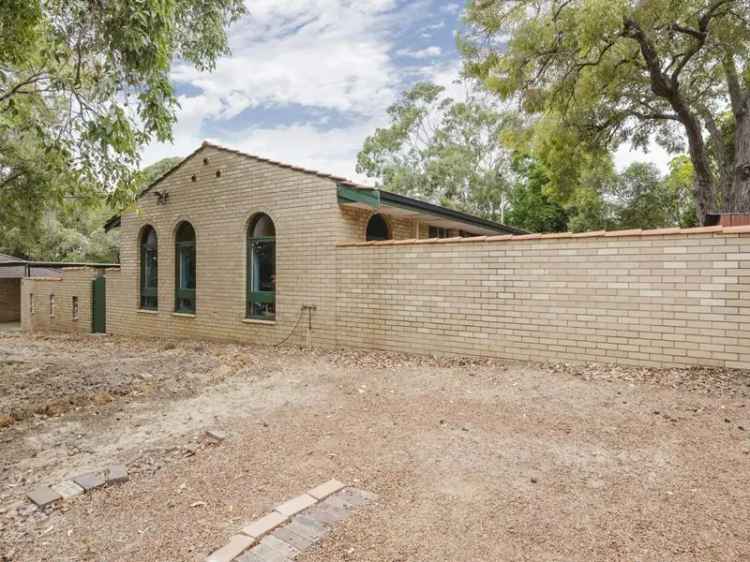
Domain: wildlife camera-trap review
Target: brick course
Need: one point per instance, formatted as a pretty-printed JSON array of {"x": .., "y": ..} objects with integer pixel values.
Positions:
[{"x": 632, "y": 298}]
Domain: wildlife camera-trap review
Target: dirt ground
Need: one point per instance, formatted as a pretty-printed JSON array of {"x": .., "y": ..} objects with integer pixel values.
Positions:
[{"x": 471, "y": 460}]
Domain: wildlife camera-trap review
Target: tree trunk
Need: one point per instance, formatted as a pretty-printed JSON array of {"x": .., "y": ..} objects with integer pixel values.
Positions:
[
  {"x": 703, "y": 186},
  {"x": 741, "y": 183}
]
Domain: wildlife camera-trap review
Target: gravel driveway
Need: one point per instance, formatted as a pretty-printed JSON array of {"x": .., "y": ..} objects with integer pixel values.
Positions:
[{"x": 471, "y": 460}]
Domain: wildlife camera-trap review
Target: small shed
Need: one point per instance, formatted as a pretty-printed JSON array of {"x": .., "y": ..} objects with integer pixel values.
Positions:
[{"x": 12, "y": 270}]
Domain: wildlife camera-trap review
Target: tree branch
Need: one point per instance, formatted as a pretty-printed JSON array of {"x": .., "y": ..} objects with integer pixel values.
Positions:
[
  {"x": 736, "y": 95},
  {"x": 17, "y": 88}
]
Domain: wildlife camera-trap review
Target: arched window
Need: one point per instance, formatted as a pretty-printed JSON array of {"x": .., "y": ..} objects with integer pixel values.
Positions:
[
  {"x": 185, "y": 269},
  {"x": 377, "y": 229},
  {"x": 261, "y": 268},
  {"x": 149, "y": 269}
]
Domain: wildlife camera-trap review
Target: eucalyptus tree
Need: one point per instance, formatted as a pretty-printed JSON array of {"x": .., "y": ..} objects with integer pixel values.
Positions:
[
  {"x": 84, "y": 85},
  {"x": 629, "y": 70},
  {"x": 443, "y": 150}
]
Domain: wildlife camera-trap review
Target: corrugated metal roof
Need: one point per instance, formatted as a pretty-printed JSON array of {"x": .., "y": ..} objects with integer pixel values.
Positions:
[{"x": 18, "y": 271}]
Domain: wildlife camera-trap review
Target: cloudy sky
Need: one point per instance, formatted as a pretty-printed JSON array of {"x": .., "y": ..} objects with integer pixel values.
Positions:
[{"x": 308, "y": 80}]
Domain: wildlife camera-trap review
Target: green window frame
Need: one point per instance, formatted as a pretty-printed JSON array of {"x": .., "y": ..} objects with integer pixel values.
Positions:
[
  {"x": 261, "y": 269},
  {"x": 149, "y": 269},
  {"x": 185, "y": 269}
]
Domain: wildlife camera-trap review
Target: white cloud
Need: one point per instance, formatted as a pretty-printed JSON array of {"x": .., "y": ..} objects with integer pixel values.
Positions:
[
  {"x": 426, "y": 53},
  {"x": 321, "y": 53},
  {"x": 331, "y": 57}
]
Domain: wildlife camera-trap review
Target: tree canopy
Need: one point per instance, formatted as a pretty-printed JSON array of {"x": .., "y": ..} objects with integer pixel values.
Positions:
[
  {"x": 442, "y": 150},
  {"x": 622, "y": 70},
  {"x": 71, "y": 231},
  {"x": 84, "y": 85}
]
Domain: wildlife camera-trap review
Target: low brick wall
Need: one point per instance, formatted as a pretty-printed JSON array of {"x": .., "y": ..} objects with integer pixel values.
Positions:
[
  {"x": 44, "y": 317},
  {"x": 10, "y": 300},
  {"x": 661, "y": 298}
]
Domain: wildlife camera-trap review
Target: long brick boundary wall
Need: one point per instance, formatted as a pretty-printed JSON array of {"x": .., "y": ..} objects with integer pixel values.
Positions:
[{"x": 663, "y": 298}]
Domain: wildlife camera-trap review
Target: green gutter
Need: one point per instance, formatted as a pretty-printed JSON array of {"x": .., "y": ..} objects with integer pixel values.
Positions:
[{"x": 369, "y": 197}]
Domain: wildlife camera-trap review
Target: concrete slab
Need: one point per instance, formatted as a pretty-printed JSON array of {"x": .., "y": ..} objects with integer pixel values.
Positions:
[
  {"x": 43, "y": 496},
  {"x": 236, "y": 546},
  {"x": 68, "y": 489},
  {"x": 117, "y": 474},
  {"x": 261, "y": 526},
  {"x": 295, "y": 505},
  {"x": 326, "y": 489}
]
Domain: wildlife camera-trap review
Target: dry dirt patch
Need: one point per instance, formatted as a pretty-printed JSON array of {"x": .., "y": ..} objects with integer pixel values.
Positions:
[{"x": 471, "y": 460}]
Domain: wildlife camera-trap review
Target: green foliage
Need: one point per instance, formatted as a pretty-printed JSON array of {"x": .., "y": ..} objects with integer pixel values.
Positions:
[
  {"x": 530, "y": 206},
  {"x": 611, "y": 71},
  {"x": 83, "y": 86},
  {"x": 442, "y": 150},
  {"x": 679, "y": 186},
  {"x": 68, "y": 230}
]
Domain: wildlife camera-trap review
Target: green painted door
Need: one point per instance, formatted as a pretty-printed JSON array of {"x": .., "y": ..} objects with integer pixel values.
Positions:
[{"x": 98, "y": 306}]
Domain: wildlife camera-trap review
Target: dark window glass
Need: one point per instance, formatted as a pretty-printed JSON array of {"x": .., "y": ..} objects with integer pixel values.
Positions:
[
  {"x": 261, "y": 269},
  {"x": 185, "y": 264},
  {"x": 377, "y": 229},
  {"x": 438, "y": 232},
  {"x": 149, "y": 269}
]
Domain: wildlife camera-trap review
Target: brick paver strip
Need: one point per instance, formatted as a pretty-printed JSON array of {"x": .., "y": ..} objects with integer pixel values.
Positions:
[
  {"x": 264, "y": 553},
  {"x": 236, "y": 546},
  {"x": 293, "y": 526},
  {"x": 117, "y": 474},
  {"x": 325, "y": 490},
  {"x": 355, "y": 496},
  {"x": 261, "y": 526},
  {"x": 326, "y": 514},
  {"x": 90, "y": 480},
  {"x": 283, "y": 547},
  {"x": 298, "y": 541},
  {"x": 339, "y": 502},
  {"x": 307, "y": 527},
  {"x": 295, "y": 505},
  {"x": 68, "y": 489},
  {"x": 43, "y": 496}
]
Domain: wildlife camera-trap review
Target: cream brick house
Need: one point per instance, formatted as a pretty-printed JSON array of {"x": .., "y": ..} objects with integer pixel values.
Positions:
[{"x": 230, "y": 246}]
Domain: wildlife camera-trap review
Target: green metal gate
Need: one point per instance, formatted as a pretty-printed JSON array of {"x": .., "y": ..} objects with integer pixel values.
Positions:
[{"x": 98, "y": 306}]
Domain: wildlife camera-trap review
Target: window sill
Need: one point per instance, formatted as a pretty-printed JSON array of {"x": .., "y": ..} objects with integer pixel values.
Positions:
[
  {"x": 147, "y": 311},
  {"x": 184, "y": 314},
  {"x": 258, "y": 321}
]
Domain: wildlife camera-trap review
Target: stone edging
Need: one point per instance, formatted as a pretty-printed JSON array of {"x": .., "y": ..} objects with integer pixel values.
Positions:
[
  {"x": 43, "y": 496},
  {"x": 293, "y": 525}
]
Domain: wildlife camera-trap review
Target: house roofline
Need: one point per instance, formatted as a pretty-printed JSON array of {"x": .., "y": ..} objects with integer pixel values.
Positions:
[{"x": 388, "y": 196}]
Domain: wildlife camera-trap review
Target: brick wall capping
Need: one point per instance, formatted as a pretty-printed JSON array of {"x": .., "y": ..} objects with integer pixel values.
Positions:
[{"x": 744, "y": 229}]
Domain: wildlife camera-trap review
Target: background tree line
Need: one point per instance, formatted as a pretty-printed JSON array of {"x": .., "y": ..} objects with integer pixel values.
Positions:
[
  {"x": 556, "y": 87},
  {"x": 473, "y": 156}
]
